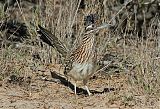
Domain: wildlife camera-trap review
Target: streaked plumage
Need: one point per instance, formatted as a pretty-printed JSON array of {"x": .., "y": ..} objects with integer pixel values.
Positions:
[{"x": 80, "y": 62}]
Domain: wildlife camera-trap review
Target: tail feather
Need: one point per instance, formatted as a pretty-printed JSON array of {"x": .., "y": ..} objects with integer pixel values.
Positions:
[
  {"x": 47, "y": 37},
  {"x": 44, "y": 36}
]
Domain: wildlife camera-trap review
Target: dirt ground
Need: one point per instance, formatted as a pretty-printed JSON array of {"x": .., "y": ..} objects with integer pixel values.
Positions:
[
  {"x": 107, "y": 93},
  {"x": 32, "y": 88}
]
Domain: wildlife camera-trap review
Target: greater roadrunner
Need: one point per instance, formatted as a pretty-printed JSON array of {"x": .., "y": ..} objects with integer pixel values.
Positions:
[{"x": 80, "y": 62}]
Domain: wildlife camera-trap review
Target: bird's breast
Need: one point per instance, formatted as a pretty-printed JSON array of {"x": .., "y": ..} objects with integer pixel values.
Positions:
[{"x": 81, "y": 71}]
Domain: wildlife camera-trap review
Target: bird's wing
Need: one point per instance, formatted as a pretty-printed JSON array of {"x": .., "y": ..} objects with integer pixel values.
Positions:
[{"x": 47, "y": 37}]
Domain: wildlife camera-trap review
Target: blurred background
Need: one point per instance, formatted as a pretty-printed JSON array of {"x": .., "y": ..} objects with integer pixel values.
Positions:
[{"x": 129, "y": 49}]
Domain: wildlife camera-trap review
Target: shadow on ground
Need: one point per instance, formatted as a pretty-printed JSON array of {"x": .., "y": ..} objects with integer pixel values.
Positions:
[{"x": 80, "y": 91}]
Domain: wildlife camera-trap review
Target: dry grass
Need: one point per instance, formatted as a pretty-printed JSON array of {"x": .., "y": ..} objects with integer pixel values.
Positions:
[{"x": 137, "y": 59}]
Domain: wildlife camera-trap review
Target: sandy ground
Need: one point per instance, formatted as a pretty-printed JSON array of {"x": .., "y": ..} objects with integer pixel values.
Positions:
[{"x": 107, "y": 93}]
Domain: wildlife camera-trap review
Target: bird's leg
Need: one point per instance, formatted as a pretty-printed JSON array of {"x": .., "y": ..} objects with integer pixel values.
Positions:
[
  {"x": 89, "y": 93},
  {"x": 75, "y": 91},
  {"x": 86, "y": 87}
]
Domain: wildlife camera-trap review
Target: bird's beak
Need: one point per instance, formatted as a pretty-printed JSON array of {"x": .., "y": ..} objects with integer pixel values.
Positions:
[{"x": 90, "y": 27}]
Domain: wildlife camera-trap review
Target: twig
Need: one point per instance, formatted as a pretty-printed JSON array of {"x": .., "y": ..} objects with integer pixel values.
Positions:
[{"x": 103, "y": 68}]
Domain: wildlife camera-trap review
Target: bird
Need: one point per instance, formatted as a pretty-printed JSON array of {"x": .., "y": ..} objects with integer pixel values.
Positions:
[{"x": 80, "y": 63}]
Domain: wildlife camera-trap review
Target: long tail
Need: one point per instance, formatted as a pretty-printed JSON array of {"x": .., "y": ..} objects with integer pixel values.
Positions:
[{"x": 47, "y": 37}]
